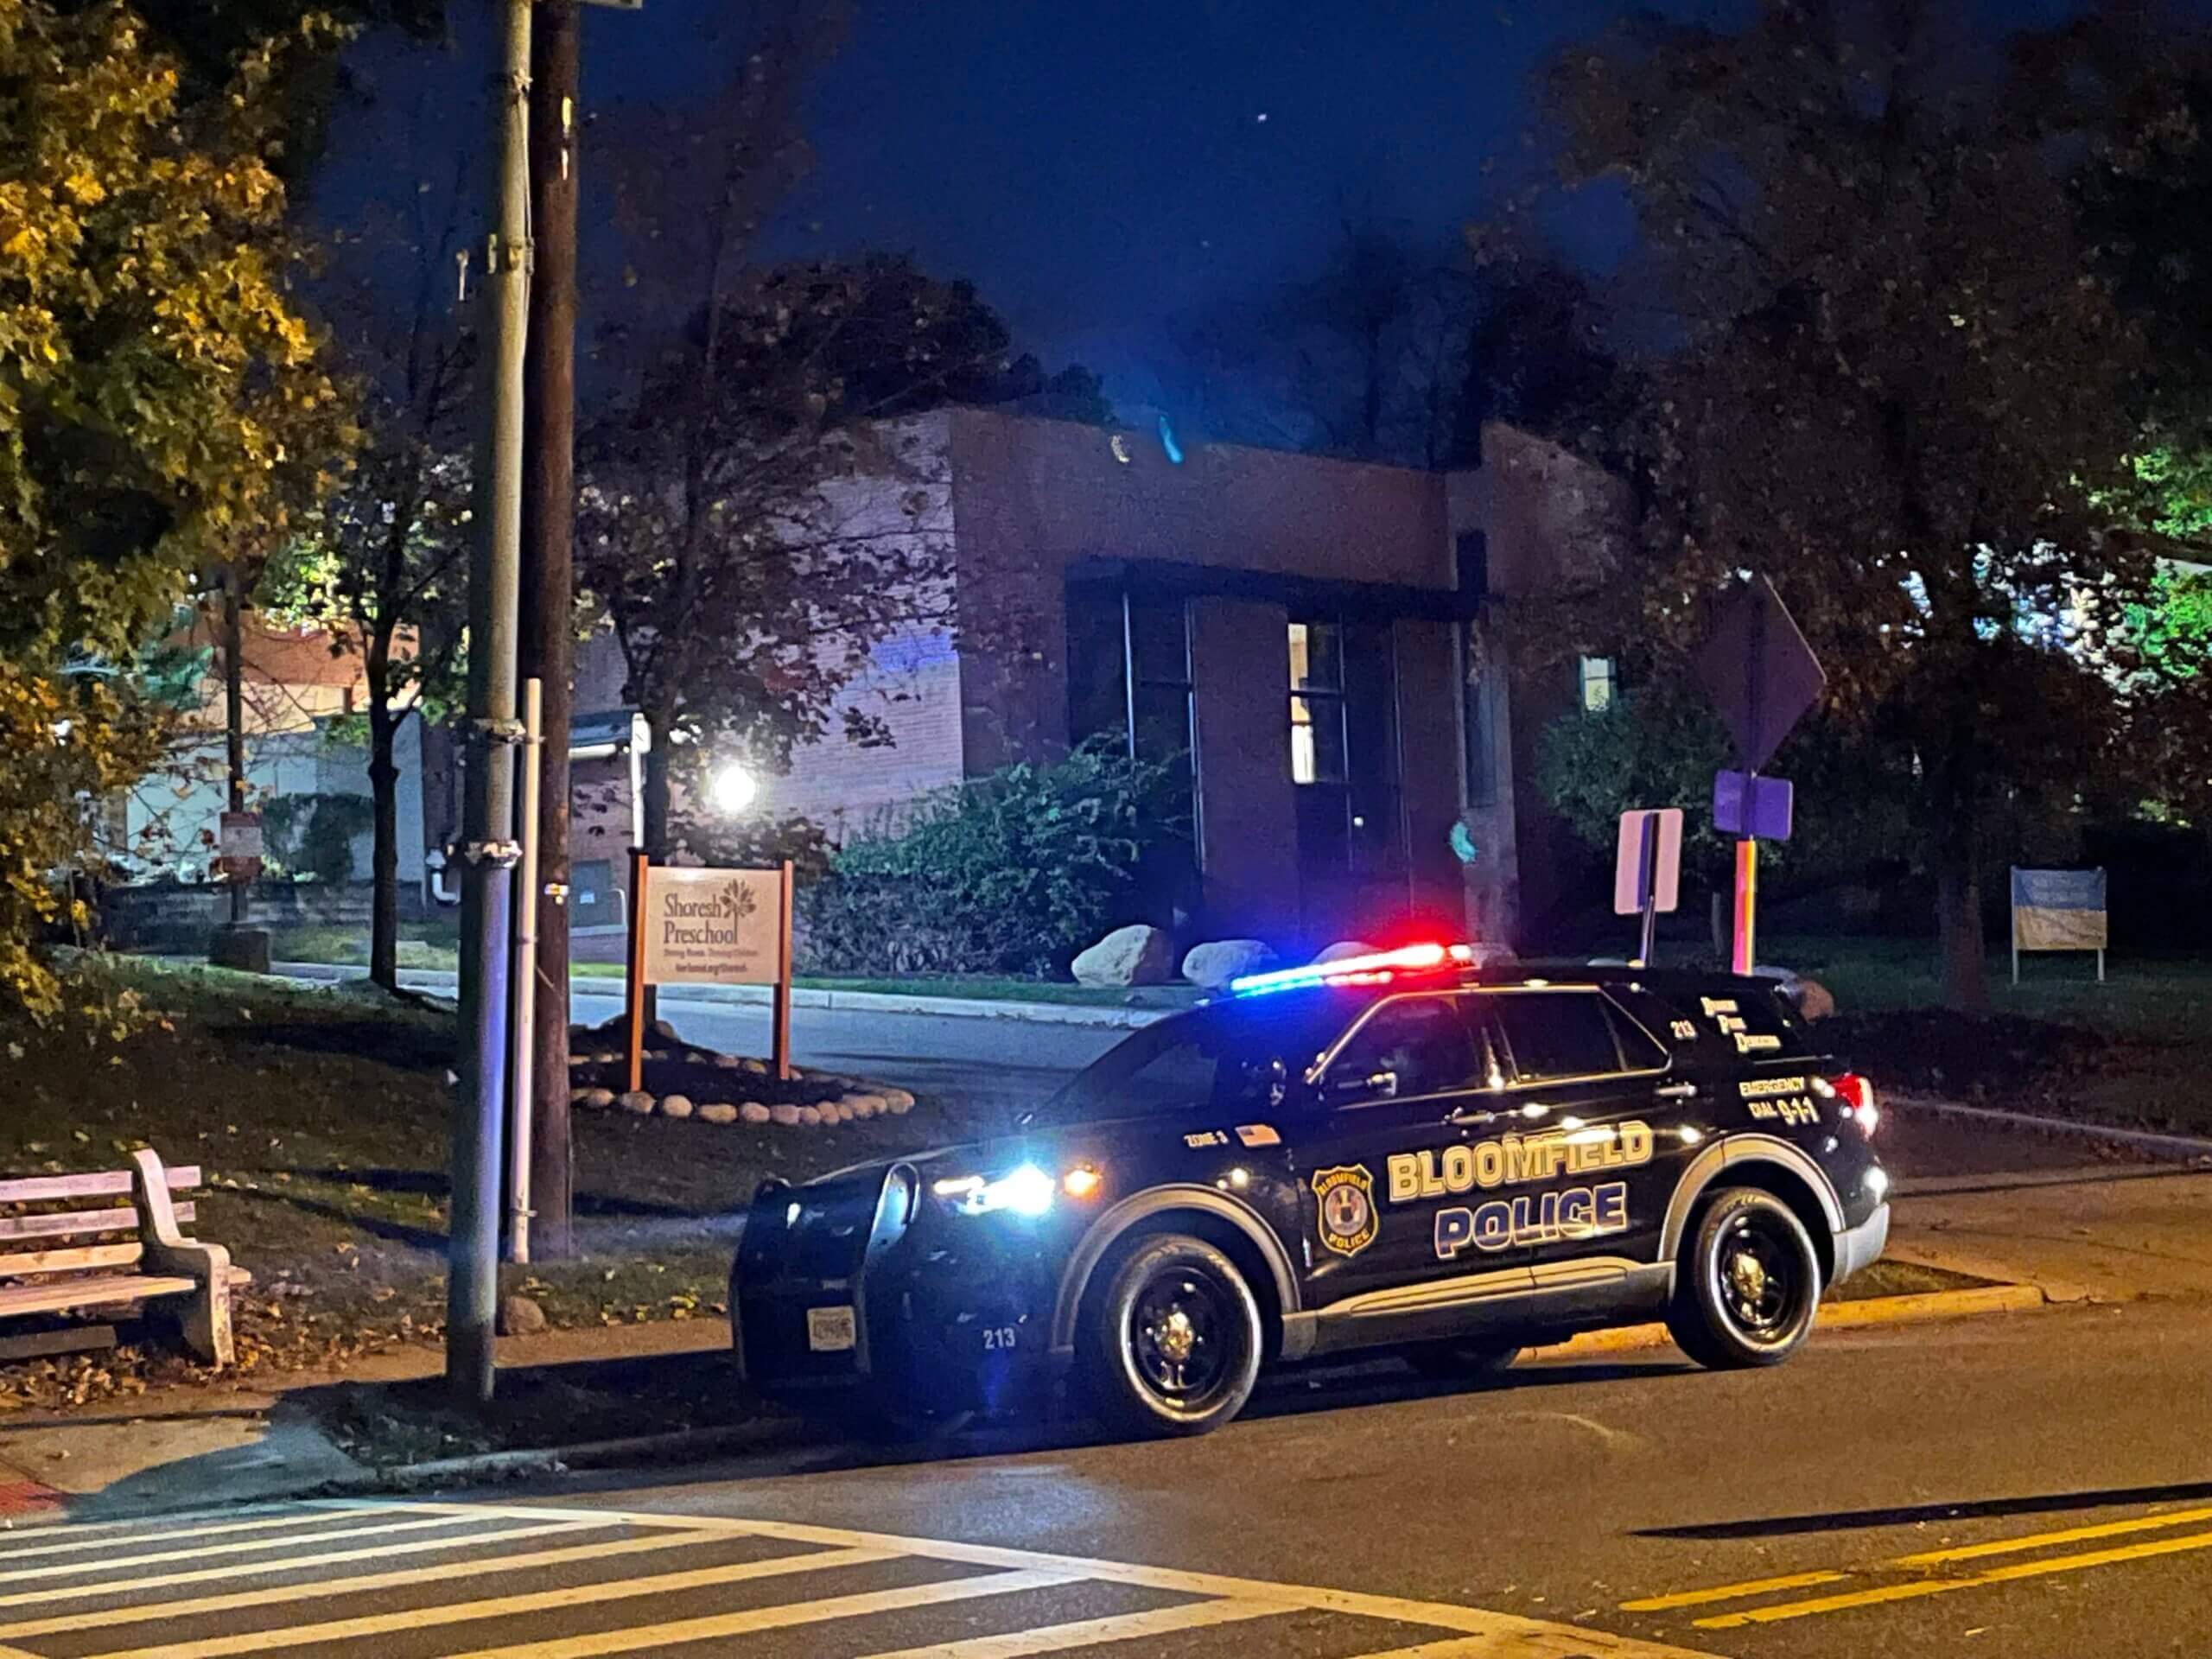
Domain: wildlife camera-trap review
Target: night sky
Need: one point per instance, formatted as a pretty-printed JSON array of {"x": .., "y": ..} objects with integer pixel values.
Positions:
[{"x": 1100, "y": 170}]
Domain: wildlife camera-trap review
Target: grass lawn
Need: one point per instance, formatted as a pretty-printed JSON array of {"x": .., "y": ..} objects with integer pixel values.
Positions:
[
  {"x": 320, "y": 1117},
  {"x": 2132, "y": 1050},
  {"x": 430, "y": 946}
]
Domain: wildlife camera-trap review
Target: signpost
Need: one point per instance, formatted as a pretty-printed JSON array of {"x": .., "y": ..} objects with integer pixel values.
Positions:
[
  {"x": 1762, "y": 677},
  {"x": 1647, "y": 868},
  {"x": 2059, "y": 910},
  {"x": 709, "y": 927}
]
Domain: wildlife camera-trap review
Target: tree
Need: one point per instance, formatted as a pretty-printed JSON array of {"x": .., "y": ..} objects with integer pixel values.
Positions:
[
  {"x": 1903, "y": 393},
  {"x": 757, "y": 516},
  {"x": 382, "y": 563},
  {"x": 1536, "y": 357},
  {"x": 162, "y": 409}
]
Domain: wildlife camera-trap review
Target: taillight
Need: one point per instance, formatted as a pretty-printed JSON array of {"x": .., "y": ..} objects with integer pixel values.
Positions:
[{"x": 1857, "y": 1097}]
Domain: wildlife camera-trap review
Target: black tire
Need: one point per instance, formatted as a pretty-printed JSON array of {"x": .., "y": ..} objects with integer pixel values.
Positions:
[
  {"x": 1170, "y": 1344},
  {"x": 1747, "y": 1285},
  {"x": 1463, "y": 1361}
]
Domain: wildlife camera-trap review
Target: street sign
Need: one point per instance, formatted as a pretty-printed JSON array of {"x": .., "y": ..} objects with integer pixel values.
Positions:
[
  {"x": 1759, "y": 671},
  {"x": 239, "y": 847},
  {"x": 1648, "y": 864},
  {"x": 1744, "y": 803},
  {"x": 691, "y": 926}
]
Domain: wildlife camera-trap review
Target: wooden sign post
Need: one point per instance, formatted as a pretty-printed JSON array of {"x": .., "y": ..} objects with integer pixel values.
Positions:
[{"x": 709, "y": 927}]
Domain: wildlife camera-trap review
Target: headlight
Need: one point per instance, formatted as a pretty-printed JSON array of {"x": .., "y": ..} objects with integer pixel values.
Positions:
[{"x": 1026, "y": 1191}]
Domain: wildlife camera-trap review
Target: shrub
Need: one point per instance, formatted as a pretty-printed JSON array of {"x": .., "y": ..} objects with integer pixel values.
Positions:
[{"x": 1014, "y": 872}]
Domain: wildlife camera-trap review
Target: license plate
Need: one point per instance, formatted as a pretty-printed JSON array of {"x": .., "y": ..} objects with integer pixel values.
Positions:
[{"x": 830, "y": 1329}]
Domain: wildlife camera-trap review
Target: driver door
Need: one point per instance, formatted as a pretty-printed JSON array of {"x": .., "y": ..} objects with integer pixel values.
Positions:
[{"x": 1390, "y": 1090}]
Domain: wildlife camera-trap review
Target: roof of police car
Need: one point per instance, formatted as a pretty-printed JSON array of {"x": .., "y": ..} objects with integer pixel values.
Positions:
[{"x": 1562, "y": 973}]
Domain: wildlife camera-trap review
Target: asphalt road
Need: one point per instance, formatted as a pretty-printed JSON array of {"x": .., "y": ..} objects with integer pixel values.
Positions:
[
  {"x": 2036, "y": 1487},
  {"x": 967, "y": 1062}
]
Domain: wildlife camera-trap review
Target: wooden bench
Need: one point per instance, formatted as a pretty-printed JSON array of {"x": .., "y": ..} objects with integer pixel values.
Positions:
[{"x": 156, "y": 1263}]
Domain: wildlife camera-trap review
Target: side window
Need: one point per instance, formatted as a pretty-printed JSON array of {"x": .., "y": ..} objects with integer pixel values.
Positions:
[
  {"x": 1425, "y": 1044},
  {"x": 1556, "y": 1034},
  {"x": 1640, "y": 1050}
]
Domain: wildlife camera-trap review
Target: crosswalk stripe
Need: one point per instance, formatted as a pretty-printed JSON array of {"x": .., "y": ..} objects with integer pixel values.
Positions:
[
  {"x": 264, "y": 1524},
  {"x": 714, "y": 1626},
  {"x": 1089, "y": 1632},
  {"x": 316, "y": 1589},
  {"x": 227, "y": 1511},
  {"x": 62, "y": 1569},
  {"x": 578, "y": 1595}
]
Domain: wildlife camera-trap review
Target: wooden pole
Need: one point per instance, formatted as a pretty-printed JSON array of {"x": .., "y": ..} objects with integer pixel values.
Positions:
[
  {"x": 1747, "y": 894},
  {"x": 548, "y": 593},
  {"x": 783, "y": 1010},
  {"x": 634, "y": 980}
]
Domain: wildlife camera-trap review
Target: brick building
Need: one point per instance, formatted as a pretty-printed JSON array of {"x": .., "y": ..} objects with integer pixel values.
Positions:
[{"x": 1306, "y": 635}]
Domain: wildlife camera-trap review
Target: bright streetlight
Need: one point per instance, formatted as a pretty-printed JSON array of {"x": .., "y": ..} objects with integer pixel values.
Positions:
[{"x": 733, "y": 787}]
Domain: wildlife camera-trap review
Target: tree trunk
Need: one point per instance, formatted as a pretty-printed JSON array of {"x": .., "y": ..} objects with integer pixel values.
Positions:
[
  {"x": 659, "y": 789},
  {"x": 1957, "y": 921},
  {"x": 384, "y": 853},
  {"x": 548, "y": 597}
]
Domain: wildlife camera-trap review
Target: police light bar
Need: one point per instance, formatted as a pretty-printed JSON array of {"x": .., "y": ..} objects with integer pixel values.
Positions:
[{"x": 1376, "y": 970}]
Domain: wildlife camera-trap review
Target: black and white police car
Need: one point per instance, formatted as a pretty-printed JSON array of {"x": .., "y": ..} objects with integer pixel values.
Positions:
[{"x": 1401, "y": 1151}]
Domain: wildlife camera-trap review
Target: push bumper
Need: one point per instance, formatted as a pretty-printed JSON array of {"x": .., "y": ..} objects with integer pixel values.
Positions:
[{"x": 1861, "y": 1246}]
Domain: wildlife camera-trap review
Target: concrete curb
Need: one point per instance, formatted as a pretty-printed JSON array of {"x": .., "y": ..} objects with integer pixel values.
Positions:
[
  {"x": 756, "y": 996},
  {"x": 2190, "y": 1146},
  {"x": 1834, "y": 1316},
  {"x": 589, "y": 1454}
]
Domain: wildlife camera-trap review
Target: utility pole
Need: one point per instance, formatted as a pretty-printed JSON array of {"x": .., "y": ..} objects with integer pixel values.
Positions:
[
  {"x": 234, "y": 716},
  {"x": 549, "y": 595},
  {"x": 488, "y": 848}
]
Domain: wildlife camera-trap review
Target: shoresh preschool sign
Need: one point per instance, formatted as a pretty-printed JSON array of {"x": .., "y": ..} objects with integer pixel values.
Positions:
[{"x": 713, "y": 927}]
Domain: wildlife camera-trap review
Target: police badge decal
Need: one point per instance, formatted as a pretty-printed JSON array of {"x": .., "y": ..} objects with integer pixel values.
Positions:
[{"x": 1345, "y": 1213}]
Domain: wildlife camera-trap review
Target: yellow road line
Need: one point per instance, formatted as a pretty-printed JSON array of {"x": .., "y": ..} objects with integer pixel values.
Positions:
[
  {"x": 294, "y": 1519},
  {"x": 1469, "y": 1647},
  {"x": 578, "y": 1595},
  {"x": 1089, "y": 1632},
  {"x": 1729, "y": 1592},
  {"x": 776, "y": 1618},
  {"x": 200, "y": 1552},
  {"x": 316, "y": 1590},
  {"x": 2038, "y": 1540},
  {"x": 1916, "y": 1590}
]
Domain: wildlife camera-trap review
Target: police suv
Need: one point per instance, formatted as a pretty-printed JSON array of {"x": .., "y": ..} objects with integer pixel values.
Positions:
[{"x": 1401, "y": 1151}]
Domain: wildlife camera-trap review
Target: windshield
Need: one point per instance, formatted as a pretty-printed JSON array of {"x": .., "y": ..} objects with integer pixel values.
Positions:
[{"x": 1215, "y": 1061}]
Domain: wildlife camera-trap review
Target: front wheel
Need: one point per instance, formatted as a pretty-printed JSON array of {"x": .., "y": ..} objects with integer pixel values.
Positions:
[
  {"x": 1748, "y": 1283},
  {"x": 1171, "y": 1346}
]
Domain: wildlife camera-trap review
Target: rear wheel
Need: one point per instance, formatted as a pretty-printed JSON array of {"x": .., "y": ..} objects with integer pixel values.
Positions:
[
  {"x": 1171, "y": 1346},
  {"x": 1462, "y": 1360},
  {"x": 1748, "y": 1283}
]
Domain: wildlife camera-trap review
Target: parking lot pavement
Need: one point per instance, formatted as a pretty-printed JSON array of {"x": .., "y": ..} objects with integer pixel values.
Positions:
[{"x": 408, "y": 1579}]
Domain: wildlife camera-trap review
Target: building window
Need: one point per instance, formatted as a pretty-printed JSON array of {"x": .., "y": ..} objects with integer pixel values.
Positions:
[
  {"x": 1478, "y": 717},
  {"x": 1129, "y": 677},
  {"x": 1599, "y": 681},
  {"x": 1343, "y": 745}
]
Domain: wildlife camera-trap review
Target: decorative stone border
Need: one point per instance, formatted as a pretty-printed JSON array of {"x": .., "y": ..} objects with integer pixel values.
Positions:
[{"x": 860, "y": 1099}]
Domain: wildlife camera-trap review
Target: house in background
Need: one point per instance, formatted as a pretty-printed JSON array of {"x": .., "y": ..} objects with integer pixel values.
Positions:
[
  {"x": 295, "y": 682},
  {"x": 1305, "y": 639}
]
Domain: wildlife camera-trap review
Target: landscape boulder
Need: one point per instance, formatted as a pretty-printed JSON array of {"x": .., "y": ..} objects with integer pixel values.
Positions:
[
  {"x": 1127, "y": 956},
  {"x": 676, "y": 1106},
  {"x": 719, "y": 1111},
  {"x": 520, "y": 1316},
  {"x": 1213, "y": 965}
]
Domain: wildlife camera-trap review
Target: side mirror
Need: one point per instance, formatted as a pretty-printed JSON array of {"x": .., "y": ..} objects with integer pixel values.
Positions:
[{"x": 1380, "y": 1085}]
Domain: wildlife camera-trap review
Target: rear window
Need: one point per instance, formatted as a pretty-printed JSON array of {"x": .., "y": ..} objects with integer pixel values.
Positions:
[{"x": 1552, "y": 1034}]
